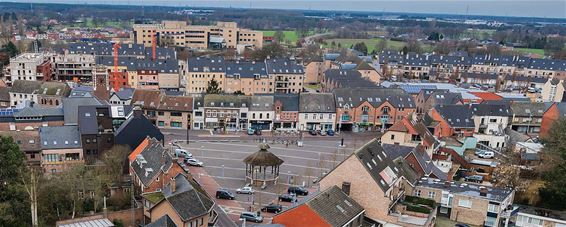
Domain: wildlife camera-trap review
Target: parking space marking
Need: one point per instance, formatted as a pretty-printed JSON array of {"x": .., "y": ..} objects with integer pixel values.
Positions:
[
  {"x": 286, "y": 156},
  {"x": 280, "y": 148},
  {"x": 284, "y": 164}
]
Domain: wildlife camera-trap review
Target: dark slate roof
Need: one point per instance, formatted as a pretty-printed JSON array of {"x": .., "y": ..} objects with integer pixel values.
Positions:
[
  {"x": 71, "y": 107},
  {"x": 150, "y": 161},
  {"x": 133, "y": 64},
  {"x": 527, "y": 109},
  {"x": 459, "y": 116},
  {"x": 5, "y": 94},
  {"x": 106, "y": 49},
  {"x": 290, "y": 101},
  {"x": 496, "y": 109},
  {"x": 38, "y": 112},
  {"x": 472, "y": 190},
  {"x": 353, "y": 97},
  {"x": 225, "y": 100},
  {"x": 54, "y": 88},
  {"x": 135, "y": 129},
  {"x": 445, "y": 97},
  {"x": 540, "y": 80},
  {"x": 60, "y": 137},
  {"x": 485, "y": 76},
  {"x": 25, "y": 86},
  {"x": 335, "y": 74},
  {"x": 383, "y": 169},
  {"x": 164, "y": 221},
  {"x": 246, "y": 69},
  {"x": 317, "y": 103},
  {"x": 347, "y": 78},
  {"x": 206, "y": 64},
  {"x": 82, "y": 91},
  {"x": 424, "y": 161},
  {"x": 188, "y": 199},
  {"x": 334, "y": 206},
  {"x": 125, "y": 93},
  {"x": 261, "y": 103},
  {"x": 87, "y": 120},
  {"x": 283, "y": 66}
]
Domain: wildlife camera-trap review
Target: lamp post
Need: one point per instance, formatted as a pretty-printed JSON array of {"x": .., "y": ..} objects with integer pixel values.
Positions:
[
  {"x": 243, "y": 222},
  {"x": 188, "y": 130}
]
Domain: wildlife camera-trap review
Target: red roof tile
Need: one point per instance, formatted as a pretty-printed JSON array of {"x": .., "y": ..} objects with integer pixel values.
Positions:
[
  {"x": 301, "y": 215},
  {"x": 487, "y": 96}
]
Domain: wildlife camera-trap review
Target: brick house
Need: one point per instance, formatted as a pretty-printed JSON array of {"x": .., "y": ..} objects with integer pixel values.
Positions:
[
  {"x": 553, "y": 113},
  {"x": 467, "y": 203},
  {"x": 286, "y": 111},
  {"x": 428, "y": 98},
  {"x": 60, "y": 148},
  {"x": 317, "y": 111},
  {"x": 377, "y": 183},
  {"x": 371, "y": 108},
  {"x": 527, "y": 116},
  {"x": 165, "y": 111},
  {"x": 451, "y": 120},
  {"x": 410, "y": 133}
]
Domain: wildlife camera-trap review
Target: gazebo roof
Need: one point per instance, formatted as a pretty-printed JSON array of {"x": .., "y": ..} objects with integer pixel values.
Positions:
[{"x": 263, "y": 157}]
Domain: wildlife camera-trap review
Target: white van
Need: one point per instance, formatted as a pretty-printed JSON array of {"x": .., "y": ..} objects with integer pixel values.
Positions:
[{"x": 183, "y": 153}]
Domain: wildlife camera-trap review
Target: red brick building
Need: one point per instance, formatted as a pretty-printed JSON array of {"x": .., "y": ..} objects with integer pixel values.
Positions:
[{"x": 553, "y": 113}]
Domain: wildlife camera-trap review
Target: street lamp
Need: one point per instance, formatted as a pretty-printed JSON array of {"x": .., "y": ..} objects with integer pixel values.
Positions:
[
  {"x": 243, "y": 222},
  {"x": 188, "y": 127}
]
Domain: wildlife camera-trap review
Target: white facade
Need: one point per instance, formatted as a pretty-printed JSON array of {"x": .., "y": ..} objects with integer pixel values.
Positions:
[
  {"x": 24, "y": 67},
  {"x": 114, "y": 100},
  {"x": 19, "y": 98},
  {"x": 490, "y": 130},
  {"x": 262, "y": 119},
  {"x": 316, "y": 121}
]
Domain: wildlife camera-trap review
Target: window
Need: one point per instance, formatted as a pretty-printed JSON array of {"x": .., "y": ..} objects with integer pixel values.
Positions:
[
  {"x": 198, "y": 113},
  {"x": 494, "y": 208},
  {"x": 418, "y": 193},
  {"x": 160, "y": 113},
  {"x": 490, "y": 221},
  {"x": 392, "y": 137},
  {"x": 176, "y": 124},
  {"x": 176, "y": 114},
  {"x": 160, "y": 123},
  {"x": 431, "y": 195},
  {"x": 465, "y": 203}
]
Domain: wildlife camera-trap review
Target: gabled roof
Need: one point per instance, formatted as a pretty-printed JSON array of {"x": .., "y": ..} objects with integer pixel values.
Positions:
[
  {"x": 206, "y": 64},
  {"x": 353, "y": 97},
  {"x": 188, "y": 199},
  {"x": 496, "y": 109},
  {"x": 5, "y": 94},
  {"x": 176, "y": 103},
  {"x": 151, "y": 161},
  {"x": 37, "y": 111},
  {"x": 487, "y": 96},
  {"x": 60, "y": 137},
  {"x": 135, "y": 129},
  {"x": 528, "y": 109},
  {"x": 246, "y": 69},
  {"x": 262, "y": 103},
  {"x": 317, "y": 103},
  {"x": 25, "y": 86},
  {"x": 149, "y": 99},
  {"x": 54, "y": 88},
  {"x": 124, "y": 93},
  {"x": 164, "y": 221},
  {"x": 227, "y": 100},
  {"x": 283, "y": 66},
  {"x": 459, "y": 116},
  {"x": 71, "y": 107},
  {"x": 403, "y": 125},
  {"x": 331, "y": 207},
  {"x": 444, "y": 97},
  {"x": 424, "y": 162},
  {"x": 290, "y": 102}
]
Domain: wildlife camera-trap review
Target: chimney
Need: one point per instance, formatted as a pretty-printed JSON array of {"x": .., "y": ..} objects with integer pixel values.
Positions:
[
  {"x": 346, "y": 187},
  {"x": 137, "y": 111},
  {"x": 483, "y": 191},
  {"x": 173, "y": 185}
]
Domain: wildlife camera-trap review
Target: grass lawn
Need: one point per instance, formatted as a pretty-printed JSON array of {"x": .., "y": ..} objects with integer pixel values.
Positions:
[
  {"x": 530, "y": 51},
  {"x": 290, "y": 36},
  {"x": 370, "y": 43}
]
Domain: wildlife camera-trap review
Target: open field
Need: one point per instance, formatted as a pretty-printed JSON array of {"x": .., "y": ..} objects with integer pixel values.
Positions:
[
  {"x": 371, "y": 43},
  {"x": 530, "y": 51},
  {"x": 290, "y": 36}
]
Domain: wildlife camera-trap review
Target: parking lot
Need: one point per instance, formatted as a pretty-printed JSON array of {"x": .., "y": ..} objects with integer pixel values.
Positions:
[{"x": 223, "y": 167}]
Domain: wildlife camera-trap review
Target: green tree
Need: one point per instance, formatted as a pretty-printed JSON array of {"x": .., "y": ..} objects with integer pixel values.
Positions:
[
  {"x": 361, "y": 47},
  {"x": 553, "y": 194},
  {"x": 14, "y": 203},
  {"x": 279, "y": 36},
  {"x": 213, "y": 87},
  {"x": 11, "y": 49},
  {"x": 272, "y": 50},
  {"x": 436, "y": 36},
  {"x": 380, "y": 45}
]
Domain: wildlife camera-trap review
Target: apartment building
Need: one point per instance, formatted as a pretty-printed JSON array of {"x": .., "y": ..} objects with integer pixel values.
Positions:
[
  {"x": 261, "y": 112},
  {"x": 73, "y": 67},
  {"x": 248, "y": 77},
  {"x": 288, "y": 75},
  {"x": 317, "y": 111},
  {"x": 199, "y": 71},
  {"x": 467, "y": 203},
  {"x": 450, "y": 120},
  {"x": 527, "y": 116},
  {"x": 199, "y": 37},
  {"x": 286, "y": 111},
  {"x": 60, "y": 148},
  {"x": 534, "y": 216},
  {"x": 29, "y": 66},
  {"x": 226, "y": 112},
  {"x": 143, "y": 73},
  {"x": 428, "y": 98}
]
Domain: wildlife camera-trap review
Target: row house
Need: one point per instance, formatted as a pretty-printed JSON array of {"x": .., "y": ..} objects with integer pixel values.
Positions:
[
  {"x": 261, "y": 112},
  {"x": 165, "y": 111},
  {"x": 491, "y": 120},
  {"x": 519, "y": 81},
  {"x": 38, "y": 92},
  {"x": 61, "y": 148},
  {"x": 467, "y": 203},
  {"x": 199, "y": 71},
  {"x": 427, "y": 98},
  {"x": 288, "y": 75},
  {"x": 371, "y": 108},
  {"x": 527, "y": 116},
  {"x": 248, "y": 78},
  {"x": 225, "y": 112},
  {"x": 286, "y": 110},
  {"x": 450, "y": 120},
  {"x": 29, "y": 66},
  {"x": 380, "y": 186},
  {"x": 553, "y": 90},
  {"x": 317, "y": 111},
  {"x": 142, "y": 73}
]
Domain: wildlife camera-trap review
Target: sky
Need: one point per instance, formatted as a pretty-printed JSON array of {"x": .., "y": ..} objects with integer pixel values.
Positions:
[{"x": 522, "y": 8}]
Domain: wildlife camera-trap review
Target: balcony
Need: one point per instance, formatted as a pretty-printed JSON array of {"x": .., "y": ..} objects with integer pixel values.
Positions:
[{"x": 415, "y": 211}]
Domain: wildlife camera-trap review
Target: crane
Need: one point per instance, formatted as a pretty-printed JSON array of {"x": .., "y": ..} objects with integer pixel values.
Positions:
[{"x": 116, "y": 74}]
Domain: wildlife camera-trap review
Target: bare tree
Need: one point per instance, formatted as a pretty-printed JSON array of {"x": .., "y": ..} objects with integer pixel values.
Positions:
[{"x": 31, "y": 186}]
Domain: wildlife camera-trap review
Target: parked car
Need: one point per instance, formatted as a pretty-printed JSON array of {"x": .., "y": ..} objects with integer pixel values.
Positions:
[
  {"x": 252, "y": 216},
  {"x": 272, "y": 208},
  {"x": 312, "y": 132},
  {"x": 297, "y": 190},
  {"x": 183, "y": 153},
  {"x": 461, "y": 225},
  {"x": 251, "y": 131},
  {"x": 258, "y": 131},
  {"x": 487, "y": 154},
  {"x": 322, "y": 133},
  {"x": 194, "y": 162},
  {"x": 474, "y": 178},
  {"x": 222, "y": 193},
  {"x": 478, "y": 152},
  {"x": 245, "y": 190},
  {"x": 288, "y": 198},
  {"x": 330, "y": 132}
]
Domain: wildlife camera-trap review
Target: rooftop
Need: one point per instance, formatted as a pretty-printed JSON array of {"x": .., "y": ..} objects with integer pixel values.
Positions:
[{"x": 472, "y": 190}]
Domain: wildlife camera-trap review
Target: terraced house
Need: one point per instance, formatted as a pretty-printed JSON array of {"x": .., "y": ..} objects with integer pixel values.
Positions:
[
  {"x": 371, "y": 108},
  {"x": 287, "y": 74},
  {"x": 165, "y": 111}
]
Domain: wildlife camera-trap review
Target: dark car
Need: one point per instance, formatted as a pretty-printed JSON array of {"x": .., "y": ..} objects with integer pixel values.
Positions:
[
  {"x": 297, "y": 191},
  {"x": 252, "y": 216},
  {"x": 258, "y": 132},
  {"x": 224, "y": 194},
  {"x": 313, "y": 132},
  {"x": 461, "y": 225},
  {"x": 272, "y": 208},
  {"x": 330, "y": 132},
  {"x": 288, "y": 198}
]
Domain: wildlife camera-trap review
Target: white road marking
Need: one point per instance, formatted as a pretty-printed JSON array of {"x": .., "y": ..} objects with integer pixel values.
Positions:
[
  {"x": 280, "y": 155},
  {"x": 284, "y": 164}
]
